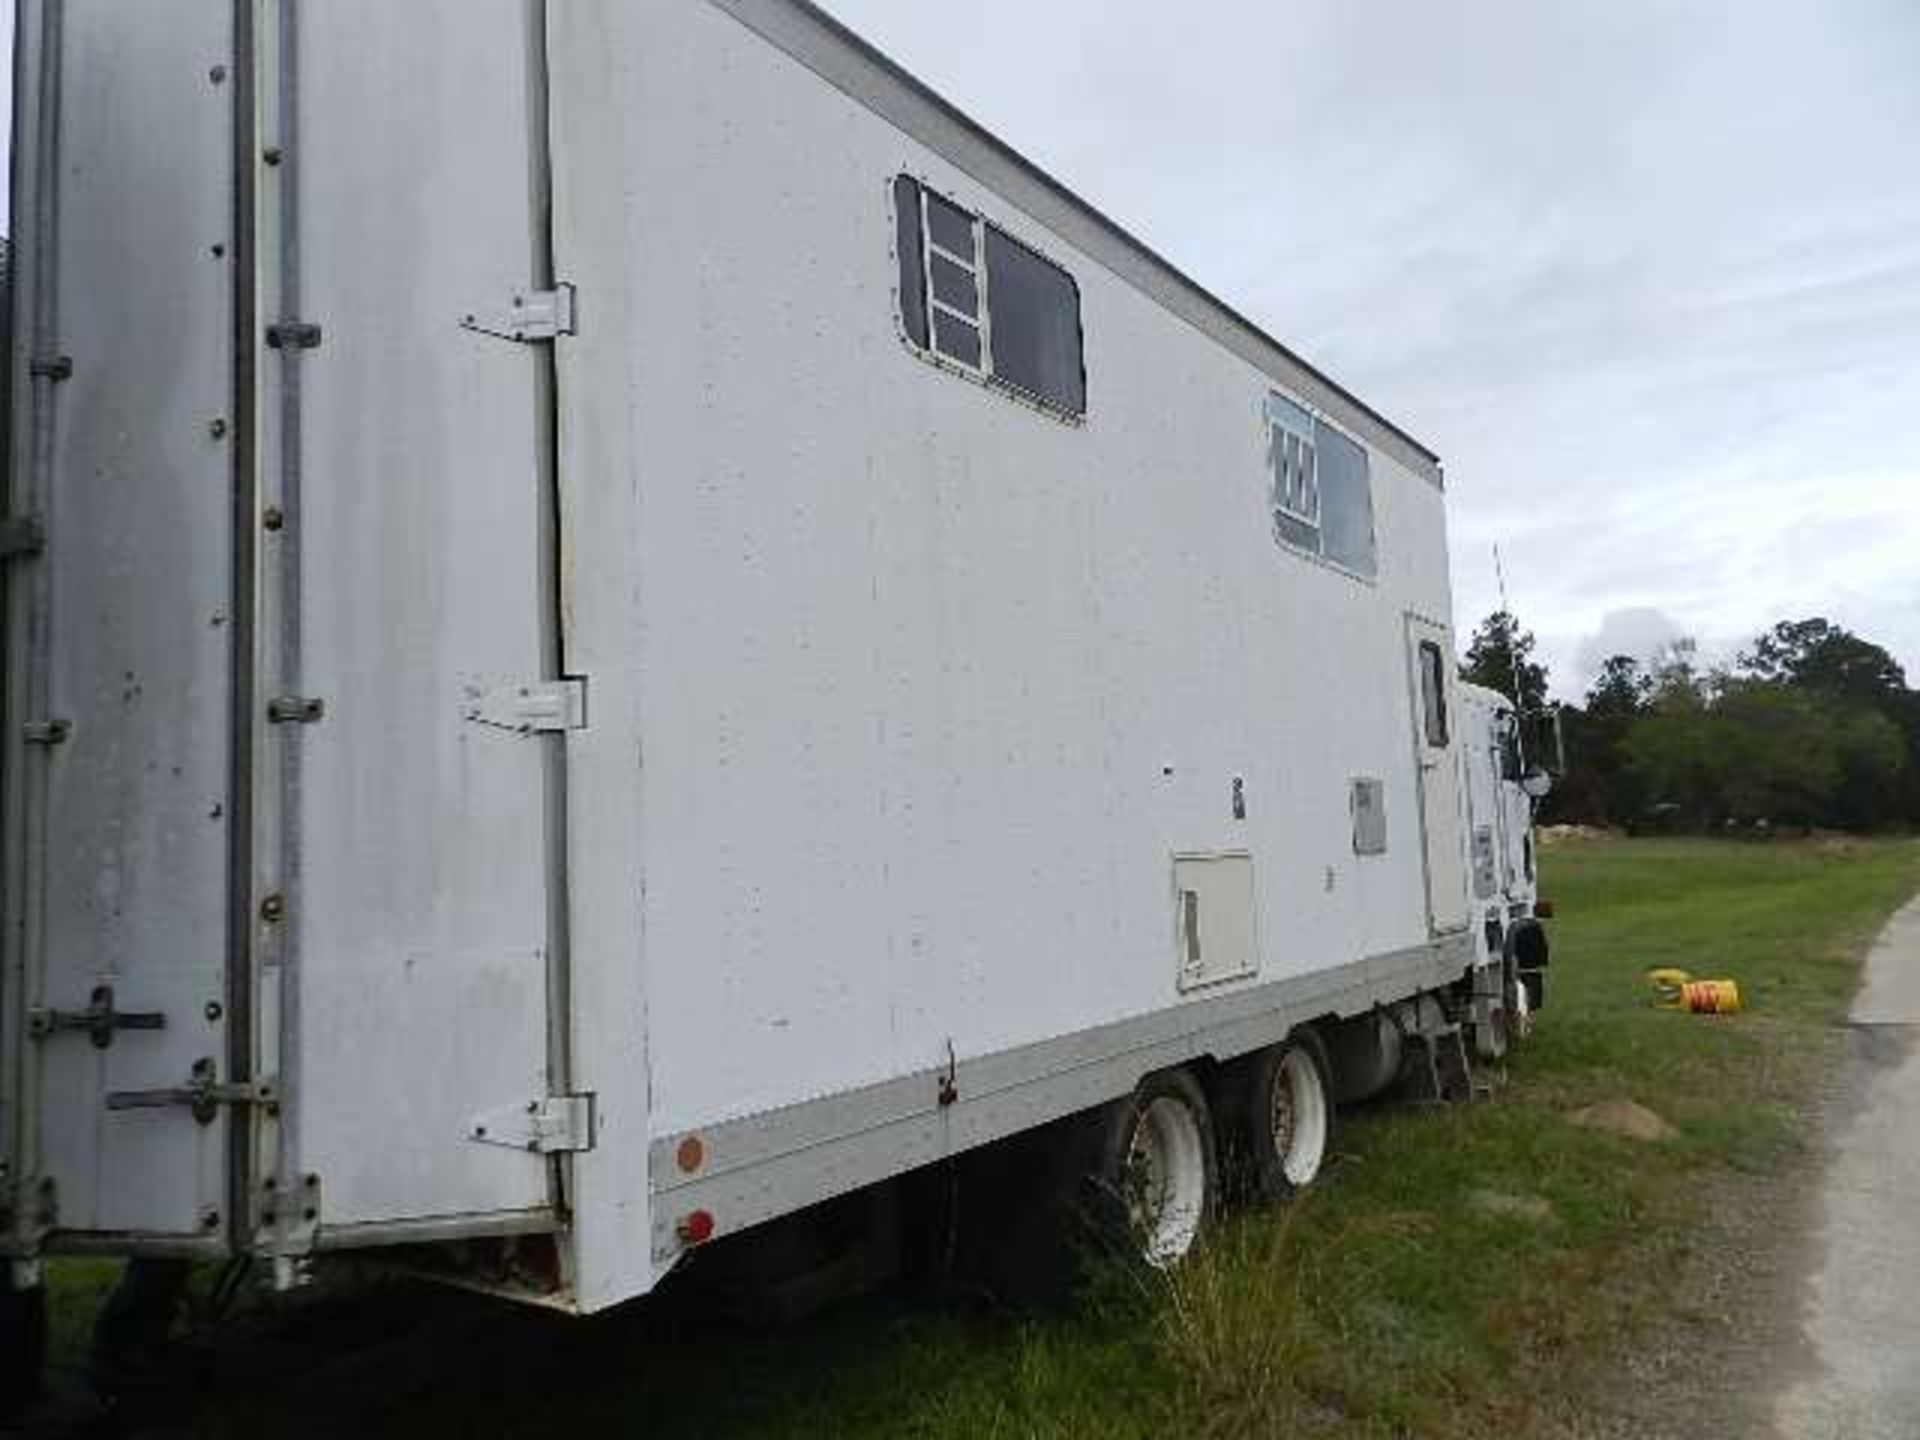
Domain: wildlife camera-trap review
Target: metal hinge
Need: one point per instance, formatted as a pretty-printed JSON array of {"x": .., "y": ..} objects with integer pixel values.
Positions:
[
  {"x": 203, "y": 1094},
  {"x": 531, "y": 315},
  {"x": 557, "y": 1125},
  {"x": 539, "y": 708},
  {"x": 100, "y": 1019},
  {"x": 295, "y": 710},
  {"x": 293, "y": 335},
  {"x": 47, "y": 732},
  {"x": 21, "y": 535}
]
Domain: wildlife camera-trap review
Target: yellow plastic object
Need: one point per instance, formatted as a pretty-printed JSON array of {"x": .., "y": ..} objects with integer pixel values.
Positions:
[
  {"x": 1668, "y": 986},
  {"x": 1712, "y": 997},
  {"x": 1678, "y": 990}
]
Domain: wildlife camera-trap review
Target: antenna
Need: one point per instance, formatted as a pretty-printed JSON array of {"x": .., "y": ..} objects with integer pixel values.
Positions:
[{"x": 1513, "y": 649}]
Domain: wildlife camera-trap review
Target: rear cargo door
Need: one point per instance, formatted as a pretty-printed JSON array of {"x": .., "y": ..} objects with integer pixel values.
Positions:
[
  {"x": 411, "y": 620},
  {"x": 119, "y": 626},
  {"x": 1436, "y": 719}
]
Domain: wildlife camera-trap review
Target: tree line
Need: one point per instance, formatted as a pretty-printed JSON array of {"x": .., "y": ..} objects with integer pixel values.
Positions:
[{"x": 1809, "y": 726}]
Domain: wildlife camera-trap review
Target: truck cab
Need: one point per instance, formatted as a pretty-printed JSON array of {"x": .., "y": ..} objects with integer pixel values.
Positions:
[{"x": 1501, "y": 789}]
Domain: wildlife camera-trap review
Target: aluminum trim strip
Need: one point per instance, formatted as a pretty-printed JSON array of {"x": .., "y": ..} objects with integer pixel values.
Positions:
[{"x": 759, "y": 1166}]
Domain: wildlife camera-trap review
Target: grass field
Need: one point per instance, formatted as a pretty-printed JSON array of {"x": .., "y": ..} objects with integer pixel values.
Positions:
[{"x": 1464, "y": 1270}]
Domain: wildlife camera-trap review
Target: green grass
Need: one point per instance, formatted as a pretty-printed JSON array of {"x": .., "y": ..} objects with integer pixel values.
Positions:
[{"x": 1404, "y": 1297}]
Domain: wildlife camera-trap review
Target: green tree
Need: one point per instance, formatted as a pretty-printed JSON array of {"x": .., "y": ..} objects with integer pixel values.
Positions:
[
  {"x": 1500, "y": 657},
  {"x": 1871, "y": 703},
  {"x": 1820, "y": 656},
  {"x": 1618, "y": 697}
]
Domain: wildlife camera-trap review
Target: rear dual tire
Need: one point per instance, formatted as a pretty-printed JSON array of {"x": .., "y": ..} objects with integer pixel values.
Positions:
[
  {"x": 1160, "y": 1171},
  {"x": 1286, "y": 1124}
]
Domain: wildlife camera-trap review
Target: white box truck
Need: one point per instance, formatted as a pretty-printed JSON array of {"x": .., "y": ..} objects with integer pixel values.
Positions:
[{"x": 618, "y": 623}]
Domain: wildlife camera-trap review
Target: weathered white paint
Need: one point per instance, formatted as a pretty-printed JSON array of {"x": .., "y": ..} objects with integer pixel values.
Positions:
[
  {"x": 902, "y": 697},
  {"x": 133, "y": 591}
]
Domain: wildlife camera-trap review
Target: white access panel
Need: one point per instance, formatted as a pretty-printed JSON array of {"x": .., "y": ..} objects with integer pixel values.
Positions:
[
  {"x": 419, "y": 888},
  {"x": 1215, "y": 919},
  {"x": 119, "y": 651}
]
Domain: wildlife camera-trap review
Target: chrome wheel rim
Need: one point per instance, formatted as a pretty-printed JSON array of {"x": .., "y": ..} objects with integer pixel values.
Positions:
[
  {"x": 1298, "y": 1117},
  {"x": 1166, "y": 1180}
]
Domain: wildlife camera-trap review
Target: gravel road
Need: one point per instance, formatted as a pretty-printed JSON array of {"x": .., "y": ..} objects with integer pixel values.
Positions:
[{"x": 1859, "y": 1340}]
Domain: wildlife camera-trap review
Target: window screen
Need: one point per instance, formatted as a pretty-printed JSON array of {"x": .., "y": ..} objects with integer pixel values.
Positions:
[
  {"x": 1322, "y": 488},
  {"x": 1433, "y": 694},
  {"x": 1035, "y": 325},
  {"x": 977, "y": 298}
]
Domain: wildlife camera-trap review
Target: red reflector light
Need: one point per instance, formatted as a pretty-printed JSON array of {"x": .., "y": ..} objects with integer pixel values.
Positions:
[
  {"x": 1543, "y": 909},
  {"x": 696, "y": 1229}
]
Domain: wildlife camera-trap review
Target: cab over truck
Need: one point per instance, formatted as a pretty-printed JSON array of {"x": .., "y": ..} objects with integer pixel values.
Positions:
[{"x": 619, "y": 624}]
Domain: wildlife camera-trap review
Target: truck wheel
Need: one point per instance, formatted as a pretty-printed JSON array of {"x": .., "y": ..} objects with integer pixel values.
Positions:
[
  {"x": 1495, "y": 1036},
  {"x": 1158, "y": 1171},
  {"x": 23, "y": 1346},
  {"x": 1289, "y": 1115}
]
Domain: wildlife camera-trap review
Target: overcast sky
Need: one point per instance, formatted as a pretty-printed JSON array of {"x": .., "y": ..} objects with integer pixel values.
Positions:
[{"x": 1646, "y": 275}]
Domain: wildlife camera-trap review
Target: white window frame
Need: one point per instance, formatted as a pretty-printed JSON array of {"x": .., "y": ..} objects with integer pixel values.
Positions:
[
  {"x": 975, "y": 265},
  {"x": 1289, "y": 420}
]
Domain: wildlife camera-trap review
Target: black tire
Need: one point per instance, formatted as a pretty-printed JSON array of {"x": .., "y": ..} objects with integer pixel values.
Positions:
[
  {"x": 1291, "y": 1079},
  {"x": 1498, "y": 1037},
  {"x": 1158, "y": 1179},
  {"x": 23, "y": 1347}
]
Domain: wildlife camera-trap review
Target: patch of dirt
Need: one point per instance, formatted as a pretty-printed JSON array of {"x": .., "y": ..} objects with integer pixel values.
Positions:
[
  {"x": 1573, "y": 834},
  {"x": 1516, "y": 1207},
  {"x": 1623, "y": 1117}
]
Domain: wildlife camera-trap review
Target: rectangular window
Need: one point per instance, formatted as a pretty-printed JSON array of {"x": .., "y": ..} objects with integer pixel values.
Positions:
[
  {"x": 1433, "y": 694},
  {"x": 975, "y": 297},
  {"x": 1322, "y": 490}
]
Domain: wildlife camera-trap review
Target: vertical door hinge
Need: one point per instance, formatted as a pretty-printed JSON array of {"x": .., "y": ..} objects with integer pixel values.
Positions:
[
  {"x": 21, "y": 535},
  {"x": 555, "y": 1125},
  {"x": 528, "y": 317},
  {"x": 537, "y": 708},
  {"x": 293, "y": 335},
  {"x": 295, "y": 710}
]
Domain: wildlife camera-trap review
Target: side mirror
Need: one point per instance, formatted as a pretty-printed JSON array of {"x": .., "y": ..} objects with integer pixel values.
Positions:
[{"x": 1536, "y": 784}]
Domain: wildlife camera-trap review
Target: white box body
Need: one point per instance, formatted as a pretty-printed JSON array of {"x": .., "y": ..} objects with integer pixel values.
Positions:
[{"x": 726, "y": 732}]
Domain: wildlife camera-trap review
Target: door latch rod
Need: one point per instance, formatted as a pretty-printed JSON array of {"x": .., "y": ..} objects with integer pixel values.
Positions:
[
  {"x": 203, "y": 1094},
  {"x": 99, "y": 1020}
]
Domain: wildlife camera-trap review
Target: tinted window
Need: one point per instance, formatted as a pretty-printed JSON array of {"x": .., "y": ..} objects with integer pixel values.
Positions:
[
  {"x": 950, "y": 228},
  {"x": 1346, "y": 501},
  {"x": 1034, "y": 311},
  {"x": 973, "y": 296},
  {"x": 909, "y": 247},
  {"x": 1433, "y": 694}
]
